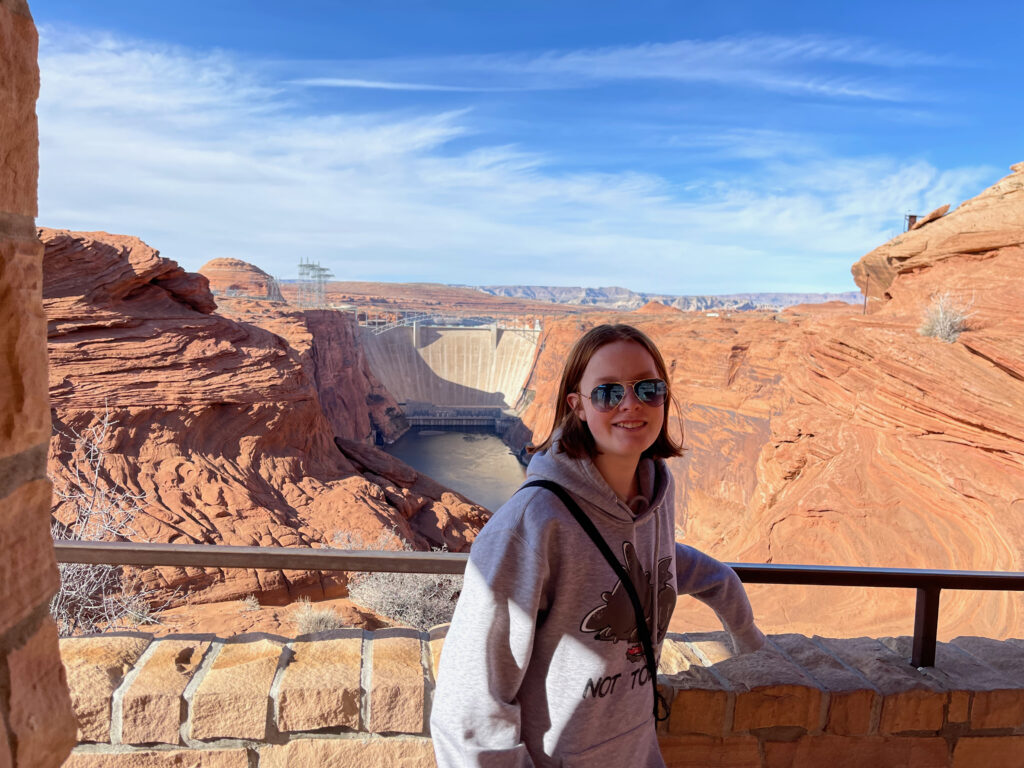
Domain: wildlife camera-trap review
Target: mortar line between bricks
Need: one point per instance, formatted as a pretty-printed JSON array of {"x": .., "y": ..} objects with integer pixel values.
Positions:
[
  {"x": 730, "y": 692},
  {"x": 365, "y": 680},
  {"x": 22, "y": 468},
  {"x": 428, "y": 681},
  {"x": 117, "y": 697},
  {"x": 204, "y": 667},
  {"x": 17, "y": 225},
  {"x": 273, "y": 733}
]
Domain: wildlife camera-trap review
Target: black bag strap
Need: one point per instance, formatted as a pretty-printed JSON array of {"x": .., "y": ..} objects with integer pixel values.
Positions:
[{"x": 661, "y": 708}]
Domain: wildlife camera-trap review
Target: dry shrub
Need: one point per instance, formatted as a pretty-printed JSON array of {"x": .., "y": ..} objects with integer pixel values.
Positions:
[
  {"x": 309, "y": 620},
  {"x": 249, "y": 603},
  {"x": 945, "y": 318},
  {"x": 419, "y": 600},
  {"x": 97, "y": 598}
]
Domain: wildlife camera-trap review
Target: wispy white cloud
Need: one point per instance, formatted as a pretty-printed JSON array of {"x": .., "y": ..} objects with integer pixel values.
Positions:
[
  {"x": 203, "y": 155},
  {"x": 384, "y": 85},
  {"x": 768, "y": 62}
]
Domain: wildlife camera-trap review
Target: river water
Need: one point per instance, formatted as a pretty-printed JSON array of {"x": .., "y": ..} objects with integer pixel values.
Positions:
[{"x": 479, "y": 466}]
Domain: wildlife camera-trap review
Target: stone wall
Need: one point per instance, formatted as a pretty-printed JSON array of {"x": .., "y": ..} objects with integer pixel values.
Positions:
[
  {"x": 36, "y": 727},
  {"x": 351, "y": 697}
]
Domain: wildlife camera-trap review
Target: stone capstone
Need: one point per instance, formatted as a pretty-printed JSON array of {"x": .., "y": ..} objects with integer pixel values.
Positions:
[
  {"x": 231, "y": 700},
  {"x": 96, "y": 666},
  {"x": 320, "y": 687}
]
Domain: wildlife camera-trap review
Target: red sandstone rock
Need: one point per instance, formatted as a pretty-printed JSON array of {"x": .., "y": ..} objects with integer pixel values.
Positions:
[
  {"x": 234, "y": 277},
  {"x": 217, "y": 424}
]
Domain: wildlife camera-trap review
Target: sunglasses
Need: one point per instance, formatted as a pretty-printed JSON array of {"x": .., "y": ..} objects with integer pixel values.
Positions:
[{"x": 650, "y": 392}]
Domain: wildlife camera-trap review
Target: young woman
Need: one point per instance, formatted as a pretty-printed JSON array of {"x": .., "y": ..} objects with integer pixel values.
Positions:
[{"x": 545, "y": 663}]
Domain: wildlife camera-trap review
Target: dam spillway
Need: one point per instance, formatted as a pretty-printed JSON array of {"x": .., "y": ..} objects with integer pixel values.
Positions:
[{"x": 452, "y": 366}]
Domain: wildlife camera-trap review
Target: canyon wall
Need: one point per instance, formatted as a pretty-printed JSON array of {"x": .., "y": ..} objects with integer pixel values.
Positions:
[
  {"x": 216, "y": 425},
  {"x": 37, "y": 728},
  {"x": 835, "y": 438},
  {"x": 328, "y": 346}
]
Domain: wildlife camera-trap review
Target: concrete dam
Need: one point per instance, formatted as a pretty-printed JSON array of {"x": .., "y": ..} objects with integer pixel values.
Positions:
[{"x": 453, "y": 375}]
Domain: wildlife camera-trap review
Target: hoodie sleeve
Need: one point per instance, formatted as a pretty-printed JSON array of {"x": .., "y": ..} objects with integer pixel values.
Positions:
[
  {"x": 475, "y": 720},
  {"x": 717, "y": 585}
]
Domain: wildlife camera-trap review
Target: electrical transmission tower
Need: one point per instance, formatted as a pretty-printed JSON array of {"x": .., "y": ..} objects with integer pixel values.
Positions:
[{"x": 312, "y": 284}]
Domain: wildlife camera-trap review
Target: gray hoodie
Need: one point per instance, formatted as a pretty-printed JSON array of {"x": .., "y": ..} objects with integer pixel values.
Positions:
[{"x": 542, "y": 665}]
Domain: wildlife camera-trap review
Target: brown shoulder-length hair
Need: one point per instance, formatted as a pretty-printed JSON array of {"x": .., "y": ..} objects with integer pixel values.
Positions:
[{"x": 575, "y": 438}]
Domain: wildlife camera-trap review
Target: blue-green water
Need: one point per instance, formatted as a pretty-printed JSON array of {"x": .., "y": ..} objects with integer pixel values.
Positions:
[{"x": 479, "y": 466}]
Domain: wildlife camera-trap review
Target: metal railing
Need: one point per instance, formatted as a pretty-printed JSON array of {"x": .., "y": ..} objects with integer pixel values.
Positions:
[{"x": 928, "y": 583}]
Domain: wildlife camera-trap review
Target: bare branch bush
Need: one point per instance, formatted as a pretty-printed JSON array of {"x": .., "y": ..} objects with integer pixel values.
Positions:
[
  {"x": 309, "y": 620},
  {"x": 419, "y": 600},
  {"x": 96, "y": 598},
  {"x": 944, "y": 318}
]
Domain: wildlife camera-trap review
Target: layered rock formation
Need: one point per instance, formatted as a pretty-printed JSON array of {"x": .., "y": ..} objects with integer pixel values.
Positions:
[
  {"x": 215, "y": 424},
  {"x": 847, "y": 439},
  {"x": 234, "y": 277},
  {"x": 326, "y": 343}
]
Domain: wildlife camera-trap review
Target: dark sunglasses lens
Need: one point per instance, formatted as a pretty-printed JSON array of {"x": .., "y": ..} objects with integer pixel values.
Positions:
[
  {"x": 606, "y": 396},
  {"x": 650, "y": 391}
]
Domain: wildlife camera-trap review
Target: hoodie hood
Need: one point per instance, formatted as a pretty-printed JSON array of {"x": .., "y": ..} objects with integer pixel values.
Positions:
[{"x": 584, "y": 481}]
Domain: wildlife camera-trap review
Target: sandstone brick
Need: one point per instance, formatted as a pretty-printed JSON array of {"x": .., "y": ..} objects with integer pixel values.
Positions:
[
  {"x": 24, "y": 388},
  {"x": 771, "y": 691},
  {"x": 851, "y": 698},
  {"x": 177, "y": 758},
  {"x": 676, "y": 656},
  {"x": 997, "y": 700},
  {"x": 912, "y": 701},
  {"x": 1005, "y": 657},
  {"x": 852, "y": 752},
  {"x": 40, "y": 719},
  {"x": 702, "y": 704},
  {"x": 989, "y": 751},
  {"x": 320, "y": 687},
  {"x": 713, "y": 646},
  {"x": 231, "y": 700},
  {"x": 959, "y": 709},
  {"x": 697, "y": 751},
  {"x": 151, "y": 707},
  {"x": 394, "y": 752},
  {"x": 28, "y": 568},
  {"x": 96, "y": 666},
  {"x": 397, "y": 686},
  {"x": 19, "y": 134}
]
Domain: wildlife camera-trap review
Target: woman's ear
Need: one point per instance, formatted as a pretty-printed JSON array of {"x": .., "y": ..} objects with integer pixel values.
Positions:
[{"x": 576, "y": 405}]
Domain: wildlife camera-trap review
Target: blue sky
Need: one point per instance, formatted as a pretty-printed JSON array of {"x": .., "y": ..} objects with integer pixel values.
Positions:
[{"x": 677, "y": 147}]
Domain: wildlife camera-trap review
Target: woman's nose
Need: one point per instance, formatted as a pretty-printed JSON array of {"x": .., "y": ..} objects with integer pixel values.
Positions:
[{"x": 629, "y": 400}]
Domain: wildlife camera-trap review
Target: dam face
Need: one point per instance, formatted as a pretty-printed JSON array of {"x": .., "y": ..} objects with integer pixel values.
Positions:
[{"x": 431, "y": 368}]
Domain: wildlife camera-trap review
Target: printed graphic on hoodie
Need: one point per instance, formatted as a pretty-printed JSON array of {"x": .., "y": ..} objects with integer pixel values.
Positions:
[{"x": 615, "y": 619}]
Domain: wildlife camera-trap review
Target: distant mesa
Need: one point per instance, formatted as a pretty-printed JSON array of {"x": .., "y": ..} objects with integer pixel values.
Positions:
[
  {"x": 236, "y": 278},
  {"x": 623, "y": 299}
]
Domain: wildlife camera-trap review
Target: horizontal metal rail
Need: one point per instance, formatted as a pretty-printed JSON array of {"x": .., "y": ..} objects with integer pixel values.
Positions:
[{"x": 928, "y": 583}]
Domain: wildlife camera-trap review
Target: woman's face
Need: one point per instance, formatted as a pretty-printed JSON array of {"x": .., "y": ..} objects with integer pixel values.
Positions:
[{"x": 631, "y": 427}]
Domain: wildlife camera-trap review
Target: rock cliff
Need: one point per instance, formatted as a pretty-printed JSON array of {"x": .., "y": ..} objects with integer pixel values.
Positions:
[
  {"x": 234, "y": 277},
  {"x": 831, "y": 437},
  {"x": 217, "y": 424}
]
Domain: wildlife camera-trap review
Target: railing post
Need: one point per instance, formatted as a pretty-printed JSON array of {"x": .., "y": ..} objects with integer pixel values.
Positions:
[{"x": 926, "y": 626}]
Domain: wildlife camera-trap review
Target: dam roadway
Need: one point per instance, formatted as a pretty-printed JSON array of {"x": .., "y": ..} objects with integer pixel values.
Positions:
[{"x": 442, "y": 373}]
